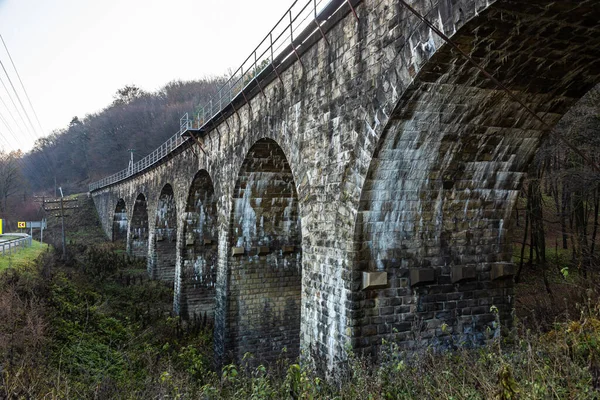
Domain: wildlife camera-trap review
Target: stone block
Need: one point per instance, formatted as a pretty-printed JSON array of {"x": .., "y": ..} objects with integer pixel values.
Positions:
[
  {"x": 287, "y": 249},
  {"x": 208, "y": 242},
  {"x": 502, "y": 270},
  {"x": 262, "y": 250},
  {"x": 237, "y": 251},
  {"x": 371, "y": 280},
  {"x": 419, "y": 276},
  {"x": 463, "y": 273}
]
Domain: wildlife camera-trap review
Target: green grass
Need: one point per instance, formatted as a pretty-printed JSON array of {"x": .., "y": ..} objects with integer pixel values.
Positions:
[
  {"x": 23, "y": 256},
  {"x": 4, "y": 238}
]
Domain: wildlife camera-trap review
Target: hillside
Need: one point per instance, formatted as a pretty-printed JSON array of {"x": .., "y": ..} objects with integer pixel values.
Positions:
[{"x": 98, "y": 144}]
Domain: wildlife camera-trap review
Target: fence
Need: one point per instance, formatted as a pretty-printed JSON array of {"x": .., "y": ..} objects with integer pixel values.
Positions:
[
  {"x": 12, "y": 246},
  {"x": 285, "y": 40}
]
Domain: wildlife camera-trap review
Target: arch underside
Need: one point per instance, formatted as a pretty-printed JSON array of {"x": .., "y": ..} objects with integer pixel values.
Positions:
[
  {"x": 138, "y": 235},
  {"x": 165, "y": 236},
  {"x": 200, "y": 251},
  {"x": 446, "y": 174},
  {"x": 265, "y": 269}
]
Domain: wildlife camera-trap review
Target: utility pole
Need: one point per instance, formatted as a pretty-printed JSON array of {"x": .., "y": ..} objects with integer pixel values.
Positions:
[
  {"x": 62, "y": 215},
  {"x": 62, "y": 220},
  {"x": 36, "y": 199},
  {"x": 130, "y": 168}
]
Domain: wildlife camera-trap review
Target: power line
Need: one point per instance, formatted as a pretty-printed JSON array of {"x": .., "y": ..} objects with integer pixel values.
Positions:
[
  {"x": 22, "y": 165},
  {"x": 18, "y": 126},
  {"x": 29, "y": 132},
  {"x": 15, "y": 106},
  {"x": 18, "y": 98},
  {"x": 12, "y": 132},
  {"x": 45, "y": 159},
  {"x": 9, "y": 112},
  {"x": 22, "y": 85}
]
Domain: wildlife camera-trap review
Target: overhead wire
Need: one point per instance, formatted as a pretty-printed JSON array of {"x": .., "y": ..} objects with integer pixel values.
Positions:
[
  {"x": 12, "y": 133},
  {"x": 10, "y": 97},
  {"x": 10, "y": 129},
  {"x": 18, "y": 98},
  {"x": 24, "y": 166},
  {"x": 22, "y": 85},
  {"x": 32, "y": 134}
]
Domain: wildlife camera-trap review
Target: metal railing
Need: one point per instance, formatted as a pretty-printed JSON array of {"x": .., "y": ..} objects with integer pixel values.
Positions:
[
  {"x": 285, "y": 40},
  {"x": 12, "y": 246}
]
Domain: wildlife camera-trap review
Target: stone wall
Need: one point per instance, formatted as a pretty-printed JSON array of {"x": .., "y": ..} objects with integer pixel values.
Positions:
[
  {"x": 265, "y": 263},
  {"x": 404, "y": 160},
  {"x": 137, "y": 242},
  {"x": 200, "y": 253}
]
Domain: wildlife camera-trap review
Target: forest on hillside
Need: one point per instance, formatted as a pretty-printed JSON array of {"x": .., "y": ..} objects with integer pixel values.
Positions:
[{"x": 98, "y": 144}]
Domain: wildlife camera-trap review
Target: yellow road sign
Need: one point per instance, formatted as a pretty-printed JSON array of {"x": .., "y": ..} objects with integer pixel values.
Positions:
[{"x": 21, "y": 224}]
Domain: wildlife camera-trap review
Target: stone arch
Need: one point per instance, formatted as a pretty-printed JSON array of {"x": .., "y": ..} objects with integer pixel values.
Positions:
[
  {"x": 445, "y": 174},
  {"x": 137, "y": 244},
  {"x": 120, "y": 225},
  {"x": 165, "y": 236},
  {"x": 200, "y": 249},
  {"x": 265, "y": 264}
]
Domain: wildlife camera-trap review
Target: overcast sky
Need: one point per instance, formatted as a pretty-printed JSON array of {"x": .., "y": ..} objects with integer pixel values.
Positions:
[{"x": 73, "y": 55}]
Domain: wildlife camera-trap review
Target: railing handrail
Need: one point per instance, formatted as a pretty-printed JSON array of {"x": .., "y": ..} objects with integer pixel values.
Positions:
[
  {"x": 243, "y": 77},
  {"x": 24, "y": 239}
]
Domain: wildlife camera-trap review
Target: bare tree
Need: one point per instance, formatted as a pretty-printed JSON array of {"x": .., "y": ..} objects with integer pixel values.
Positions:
[{"x": 10, "y": 176}]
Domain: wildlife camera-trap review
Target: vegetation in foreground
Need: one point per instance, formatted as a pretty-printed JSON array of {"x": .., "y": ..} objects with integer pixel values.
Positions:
[{"x": 95, "y": 327}]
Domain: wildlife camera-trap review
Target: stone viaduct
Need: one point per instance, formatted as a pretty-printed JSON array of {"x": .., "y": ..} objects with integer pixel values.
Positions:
[{"x": 365, "y": 192}]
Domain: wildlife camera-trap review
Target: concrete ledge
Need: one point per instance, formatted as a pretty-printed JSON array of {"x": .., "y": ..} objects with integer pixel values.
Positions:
[
  {"x": 420, "y": 276},
  {"x": 237, "y": 251},
  {"x": 463, "y": 273},
  {"x": 372, "y": 280},
  {"x": 504, "y": 270},
  {"x": 262, "y": 250},
  {"x": 287, "y": 249},
  {"x": 208, "y": 242}
]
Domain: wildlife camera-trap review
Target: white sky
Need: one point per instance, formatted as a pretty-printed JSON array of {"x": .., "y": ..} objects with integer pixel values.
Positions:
[{"x": 73, "y": 55}]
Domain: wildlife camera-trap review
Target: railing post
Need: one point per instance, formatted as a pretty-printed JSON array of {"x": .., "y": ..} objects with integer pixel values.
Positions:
[
  {"x": 292, "y": 39},
  {"x": 317, "y": 22},
  {"x": 256, "y": 73},
  {"x": 273, "y": 57}
]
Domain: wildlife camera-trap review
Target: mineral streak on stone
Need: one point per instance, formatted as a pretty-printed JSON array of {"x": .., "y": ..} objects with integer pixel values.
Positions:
[
  {"x": 199, "y": 253},
  {"x": 137, "y": 236},
  {"x": 383, "y": 151},
  {"x": 120, "y": 222}
]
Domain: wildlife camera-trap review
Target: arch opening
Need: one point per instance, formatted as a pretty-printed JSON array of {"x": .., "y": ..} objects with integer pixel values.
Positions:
[
  {"x": 265, "y": 264},
  {"x": 120, "y": 223},
  {"x": 200, "y": 250},
  {"x": 165, "y": 236},
  {"x": 444, "y": 178},
  {"x": 137, "y": 244}
]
